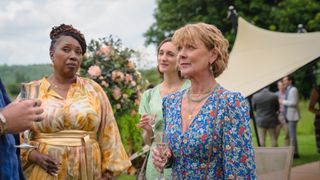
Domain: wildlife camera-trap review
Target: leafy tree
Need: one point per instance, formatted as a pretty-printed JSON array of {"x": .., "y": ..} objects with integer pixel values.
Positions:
[{"x": 275, "y": 15}]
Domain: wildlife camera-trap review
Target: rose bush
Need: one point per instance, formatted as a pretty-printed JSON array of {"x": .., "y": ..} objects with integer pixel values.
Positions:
[{"x": 109, "y": 64}]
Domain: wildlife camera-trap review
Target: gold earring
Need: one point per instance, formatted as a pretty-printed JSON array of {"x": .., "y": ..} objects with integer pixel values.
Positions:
[{"x": 211, "y": 68}]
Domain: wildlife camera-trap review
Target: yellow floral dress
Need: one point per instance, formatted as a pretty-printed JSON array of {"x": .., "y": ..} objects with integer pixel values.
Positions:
[{"x": 79, "y": 130}]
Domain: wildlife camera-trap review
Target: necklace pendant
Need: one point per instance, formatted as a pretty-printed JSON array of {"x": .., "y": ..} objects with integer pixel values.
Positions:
[{"x": 190, "y": 116}]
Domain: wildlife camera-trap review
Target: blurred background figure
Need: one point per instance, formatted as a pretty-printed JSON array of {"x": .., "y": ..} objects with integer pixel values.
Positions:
[
  {"x": 266, "y": 105},
  {"x": 314, "y": 107},
  {"x": 281, "y": 114},
  {"x": 292, "y": 112}
]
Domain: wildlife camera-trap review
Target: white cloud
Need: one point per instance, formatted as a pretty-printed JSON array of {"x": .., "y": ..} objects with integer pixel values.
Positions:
[{"x": 25, "y": 25}]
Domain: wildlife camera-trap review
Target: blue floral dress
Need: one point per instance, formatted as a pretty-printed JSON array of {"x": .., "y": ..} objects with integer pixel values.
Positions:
[{"x": 233, "y": 154}]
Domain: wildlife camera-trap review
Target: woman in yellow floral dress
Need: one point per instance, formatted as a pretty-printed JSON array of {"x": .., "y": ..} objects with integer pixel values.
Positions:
[{"x": 79, "y": 137}]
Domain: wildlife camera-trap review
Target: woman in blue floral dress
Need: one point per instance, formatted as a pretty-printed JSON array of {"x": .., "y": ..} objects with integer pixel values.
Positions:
[{"x": 207, "y": 127}]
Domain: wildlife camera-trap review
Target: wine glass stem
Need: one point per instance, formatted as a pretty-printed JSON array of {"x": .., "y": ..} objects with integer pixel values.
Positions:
[{"x": 25, "y": 136}]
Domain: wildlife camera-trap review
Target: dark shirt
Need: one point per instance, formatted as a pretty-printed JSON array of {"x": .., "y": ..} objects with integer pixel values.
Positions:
[
  {"x": 10, "y": 164},
  {"x": 266, "y": 105}
]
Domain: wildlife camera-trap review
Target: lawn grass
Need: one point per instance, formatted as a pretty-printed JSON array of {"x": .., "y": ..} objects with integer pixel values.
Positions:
[{"x": 306, "y": 139}]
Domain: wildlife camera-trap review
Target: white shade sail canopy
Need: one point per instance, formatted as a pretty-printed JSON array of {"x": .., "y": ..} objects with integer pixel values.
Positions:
[{"x": 260, "y": 57}]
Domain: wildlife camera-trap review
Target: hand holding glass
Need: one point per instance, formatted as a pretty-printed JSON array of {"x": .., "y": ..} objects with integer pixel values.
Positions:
[{"x": 25, "y": 95}]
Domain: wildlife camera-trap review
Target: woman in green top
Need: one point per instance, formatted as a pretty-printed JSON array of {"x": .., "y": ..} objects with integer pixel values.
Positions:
[{"x": 151, "y": 101}]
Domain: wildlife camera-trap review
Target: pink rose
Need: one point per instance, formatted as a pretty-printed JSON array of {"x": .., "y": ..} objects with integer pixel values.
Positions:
[
  {"x": 94, "y": 71},
  {"x": 118, "y": 106},
  {"x": 117, "y": 76},
  {"x": 133, "y": 83},
  {"x": 130, "y": 65},
  {"x": 104, "y": 83},
  {"x": 137, "y": 101},
  {"x": 116, "y": 93},
  {"x": 128, "y": 78},
  {"x": 133, "y": 113},
  {"x": 104, "y": 51}
]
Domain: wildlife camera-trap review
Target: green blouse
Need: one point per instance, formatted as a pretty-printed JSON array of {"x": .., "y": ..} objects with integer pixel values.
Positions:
[{"x": 151, "y": 103}]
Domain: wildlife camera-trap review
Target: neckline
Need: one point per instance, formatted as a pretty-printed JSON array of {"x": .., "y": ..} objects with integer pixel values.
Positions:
[{"x": 214, "y": 91}]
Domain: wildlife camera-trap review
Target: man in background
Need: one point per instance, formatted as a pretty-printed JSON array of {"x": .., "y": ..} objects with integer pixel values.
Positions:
[
  {"x": 292, "y": 112},
  {"x": 266, "y": 105},
  {"x": 281, "y": 114}
]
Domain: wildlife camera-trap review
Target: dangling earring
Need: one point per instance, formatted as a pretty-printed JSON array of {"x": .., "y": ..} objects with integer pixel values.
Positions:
[{"x": 211, "y": 68}]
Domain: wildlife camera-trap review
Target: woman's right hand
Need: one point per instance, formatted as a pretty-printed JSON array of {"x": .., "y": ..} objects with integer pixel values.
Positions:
[
  {"x": 144, "y": 123},
  {"x": 49, "y": 164}
]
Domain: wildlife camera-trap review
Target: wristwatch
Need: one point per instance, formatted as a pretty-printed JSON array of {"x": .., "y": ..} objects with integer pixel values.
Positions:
[{"x": 3, "y": 124}]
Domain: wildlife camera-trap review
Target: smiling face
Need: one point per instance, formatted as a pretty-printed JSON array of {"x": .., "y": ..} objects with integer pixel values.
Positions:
[
  {"x": 167, "y": 57},
  {"x": 66, "y": 56}
]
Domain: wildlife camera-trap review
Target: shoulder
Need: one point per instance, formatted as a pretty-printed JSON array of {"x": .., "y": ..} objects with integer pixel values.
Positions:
[
  {"x": 174, "y": 97},
  {"x": 234, "y": 100},
  {"x": 89, "y": 84},
  {"x": 230, "y": 95},
  {"x": 151, "y": 91}
]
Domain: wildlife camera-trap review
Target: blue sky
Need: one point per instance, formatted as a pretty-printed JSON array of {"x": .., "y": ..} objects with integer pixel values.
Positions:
[{"x": 25, "y": 25}]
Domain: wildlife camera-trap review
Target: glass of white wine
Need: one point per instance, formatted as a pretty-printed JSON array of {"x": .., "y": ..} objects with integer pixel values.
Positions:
[
  {"x": 54, "y": 153},
  {"x": 152, "y": 123},
  {"x": 25, "y": 95},
  {"x": 163, "y": 149}
]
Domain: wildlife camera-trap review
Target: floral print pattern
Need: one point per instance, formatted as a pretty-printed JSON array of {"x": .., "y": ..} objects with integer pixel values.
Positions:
[{"x": 232, "y": 154}]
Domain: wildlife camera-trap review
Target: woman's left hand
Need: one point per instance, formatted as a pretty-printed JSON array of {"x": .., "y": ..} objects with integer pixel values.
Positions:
[
  {"x": 158, "y": 161},
  {"x": 107, "y": 176}
]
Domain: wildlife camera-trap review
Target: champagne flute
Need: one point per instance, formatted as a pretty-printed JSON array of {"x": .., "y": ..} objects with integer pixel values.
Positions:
[
  {"x": 152, "y": 123},
  {"x": 54, "y": 153},
  {"x": 163, "y": 148},
  {"x": 25, "y": 95}
]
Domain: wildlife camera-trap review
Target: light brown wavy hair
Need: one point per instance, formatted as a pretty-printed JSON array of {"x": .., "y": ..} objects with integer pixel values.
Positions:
[{"x": 210, "y": 36}]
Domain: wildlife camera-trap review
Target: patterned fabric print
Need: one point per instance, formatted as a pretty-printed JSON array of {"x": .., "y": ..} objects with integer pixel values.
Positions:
[
  {"x": 153, "y": 105},
  {"x": 233, "y": 153},
  {"x": 86, "y": 108}
]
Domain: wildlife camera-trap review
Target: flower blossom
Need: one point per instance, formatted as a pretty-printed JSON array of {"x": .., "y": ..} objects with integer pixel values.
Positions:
[
  {"x": 105, "y": 84},
  {"x": 94, "y": 71},
  {"x": 130, "y": 65},
  {"x": 128, "y": 78},
  {"x": 104, "y": 51},
  {"x": 117, "y": 76},
  {"x": 116, "y": 93},
  {"x": 133, "y": 113}
]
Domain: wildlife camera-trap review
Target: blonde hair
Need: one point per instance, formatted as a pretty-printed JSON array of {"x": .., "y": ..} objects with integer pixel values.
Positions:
[{"x": 210, "y": 36}]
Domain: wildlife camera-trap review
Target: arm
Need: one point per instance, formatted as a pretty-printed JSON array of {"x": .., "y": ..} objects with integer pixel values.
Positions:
[
  {"x": 144, "y": 120},
  {"x": 238, "y": 152},
  {"x": 313, "y": 101},
  {"x": 114, "y": 157},
  {"x": 293, "y": 98}
]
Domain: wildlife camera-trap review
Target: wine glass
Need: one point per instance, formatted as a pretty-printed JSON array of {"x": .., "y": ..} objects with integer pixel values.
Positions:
[
  {"x": 152, "y": 123},
  {"x": 25, "y": 95},
  {"x": 162, "y": 147},
  {"x": 54, "y": 153}
]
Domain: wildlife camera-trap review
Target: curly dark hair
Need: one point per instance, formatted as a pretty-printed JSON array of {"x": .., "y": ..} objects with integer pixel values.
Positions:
[{"x": 67, "y": 30}]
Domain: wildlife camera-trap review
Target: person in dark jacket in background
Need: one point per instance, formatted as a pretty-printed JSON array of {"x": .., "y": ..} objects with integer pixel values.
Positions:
[{"x": 266, "y": 105}]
